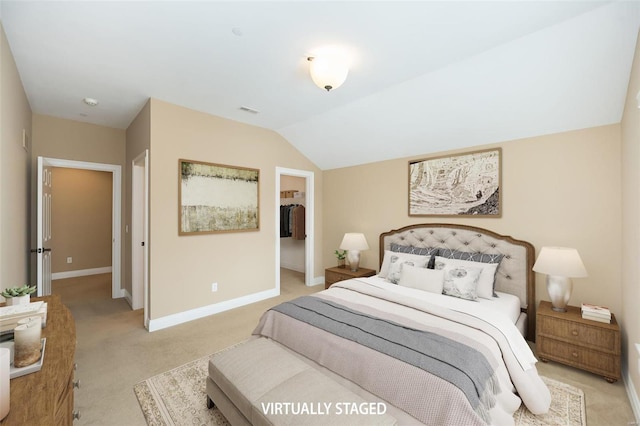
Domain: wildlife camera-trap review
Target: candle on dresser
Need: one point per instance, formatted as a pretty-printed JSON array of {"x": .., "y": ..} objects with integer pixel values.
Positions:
[
  {"x": 29, "y": 319},
  {"x": 5, "y": 359},
  {"x": 26, "y": 339}
]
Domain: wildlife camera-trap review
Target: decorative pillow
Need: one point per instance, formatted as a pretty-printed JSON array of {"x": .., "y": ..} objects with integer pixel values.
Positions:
[
  {"x": 487, "y": 274},
  {"x": 430, "y": 280},
  {"x": 461, "y": 281},
  {"x": 398, "y": 263},
  {"x": 386, "y": 262},
  {"x": 474, "y": 257},
  {"x": 422, "y": 251}
]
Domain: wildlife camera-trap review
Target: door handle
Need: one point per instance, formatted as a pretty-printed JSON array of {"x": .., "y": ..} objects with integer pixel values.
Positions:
[{"x": 39, "y": 250}]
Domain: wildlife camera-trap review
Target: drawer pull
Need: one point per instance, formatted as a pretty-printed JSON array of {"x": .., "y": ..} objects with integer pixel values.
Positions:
[
  {"x": 574, "y": 332},
  {"x": 76, "y": 384},
  {"x": 76, "y": 415},
  {"x": 575, "y": 354}
]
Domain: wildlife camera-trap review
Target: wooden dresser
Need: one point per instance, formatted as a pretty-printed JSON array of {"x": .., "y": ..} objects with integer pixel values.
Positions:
[
  {"x": 338, "y": 273},
  {"x": 567, "y": 338},
  {"x": 46, "y": 397}
]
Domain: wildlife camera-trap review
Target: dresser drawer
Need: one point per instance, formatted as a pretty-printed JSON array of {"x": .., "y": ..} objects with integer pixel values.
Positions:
[
  {"x": 581, "y": 334},
  {"x": 335, "y": 274},
  {"x": 605, "y": 364},
  {"x": 331, "y": 277},
  {"x": 63, "y": 414}
]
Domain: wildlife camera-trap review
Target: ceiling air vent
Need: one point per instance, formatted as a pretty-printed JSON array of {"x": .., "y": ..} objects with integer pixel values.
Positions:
[{"x": 248, "y": 109}]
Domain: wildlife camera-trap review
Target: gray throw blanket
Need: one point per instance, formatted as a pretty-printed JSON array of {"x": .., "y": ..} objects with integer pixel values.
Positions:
[{"x": 457, "y": 363}]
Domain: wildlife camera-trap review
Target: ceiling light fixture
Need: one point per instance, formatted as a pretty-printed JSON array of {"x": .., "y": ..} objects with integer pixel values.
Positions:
[
  {"x": 90, "y": 101},
  {"x": 329, "y": 69}
]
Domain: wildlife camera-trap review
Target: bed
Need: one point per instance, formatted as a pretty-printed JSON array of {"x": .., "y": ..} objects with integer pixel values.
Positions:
[{"x": 404, "y": 347}]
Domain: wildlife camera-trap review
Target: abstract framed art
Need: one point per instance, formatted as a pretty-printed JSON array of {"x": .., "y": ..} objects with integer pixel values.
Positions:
[
  {"x": 216, "y": 198},
  {"x": 468, "y": 184}
]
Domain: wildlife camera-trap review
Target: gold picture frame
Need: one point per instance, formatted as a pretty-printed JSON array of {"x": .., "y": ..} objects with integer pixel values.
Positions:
[
  {"x": 215, "y": 198},
  {"x": 461, "y": 185}
]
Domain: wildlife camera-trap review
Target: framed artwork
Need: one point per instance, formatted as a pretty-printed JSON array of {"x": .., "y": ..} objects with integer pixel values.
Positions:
[
  {"x": 217, "y": 198},
  {"x": 457, "y": 185}
]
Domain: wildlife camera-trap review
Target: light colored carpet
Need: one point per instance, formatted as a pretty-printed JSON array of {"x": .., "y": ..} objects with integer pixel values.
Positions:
[{"x": 178, "y": 397}]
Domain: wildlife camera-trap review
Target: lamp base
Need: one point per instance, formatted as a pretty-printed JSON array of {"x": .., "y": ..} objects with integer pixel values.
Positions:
[
  {"x": 353, "y": 256},
  {"x": 559, "y": 289}
]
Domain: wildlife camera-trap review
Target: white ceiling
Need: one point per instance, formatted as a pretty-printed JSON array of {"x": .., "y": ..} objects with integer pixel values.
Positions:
[{"x": 426, "y": 76}]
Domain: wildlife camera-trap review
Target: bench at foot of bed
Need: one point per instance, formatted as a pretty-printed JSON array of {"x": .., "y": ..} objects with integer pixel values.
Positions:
[{"x": 261, "y": 383}]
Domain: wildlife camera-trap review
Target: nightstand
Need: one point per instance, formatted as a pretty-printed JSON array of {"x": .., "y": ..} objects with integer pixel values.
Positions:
[
  {"x": 335, "y": 274},
  {"x": 567, "y": 338}
]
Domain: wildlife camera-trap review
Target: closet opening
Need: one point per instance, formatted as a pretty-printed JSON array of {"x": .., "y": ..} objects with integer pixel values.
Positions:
[{"x": 294, "y": 223}]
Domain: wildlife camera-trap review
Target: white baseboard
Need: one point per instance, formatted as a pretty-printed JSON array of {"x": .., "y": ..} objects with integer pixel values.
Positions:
[
  {"x": 317, "y": 281},
  {"x": 633, "y": 396},
  {"x": 81, "y": 273},
  {"x": 193, "y": 314},
  {"x": 127, "y": 297}
]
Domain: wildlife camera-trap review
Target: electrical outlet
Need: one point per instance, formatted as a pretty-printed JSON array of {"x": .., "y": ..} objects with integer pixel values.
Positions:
[
  {"x": 214, "y": 287},
  {"x": 69, "y": 259}
]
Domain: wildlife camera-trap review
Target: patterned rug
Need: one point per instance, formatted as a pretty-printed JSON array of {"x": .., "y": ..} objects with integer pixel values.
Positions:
[{"x": 177, "y": 397}]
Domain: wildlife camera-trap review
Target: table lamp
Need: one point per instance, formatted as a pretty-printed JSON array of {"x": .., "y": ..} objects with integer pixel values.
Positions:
[
  {"x": 560, "y": 264},
  {"x": 353, "y": 242}
]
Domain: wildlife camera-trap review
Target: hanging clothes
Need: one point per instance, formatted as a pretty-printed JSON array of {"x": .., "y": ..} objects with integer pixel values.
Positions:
[
  {"x": 292, "y": 221},
  {"x": 284, "y": 221},
  {"x": 298, "y": 231}
]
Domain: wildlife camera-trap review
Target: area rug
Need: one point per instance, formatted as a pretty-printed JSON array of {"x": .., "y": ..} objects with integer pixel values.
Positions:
[{"x": 177, "y": 397}]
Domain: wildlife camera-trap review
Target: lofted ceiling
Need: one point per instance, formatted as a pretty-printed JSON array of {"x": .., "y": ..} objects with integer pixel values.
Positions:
[{"x": 426, "y": 76}]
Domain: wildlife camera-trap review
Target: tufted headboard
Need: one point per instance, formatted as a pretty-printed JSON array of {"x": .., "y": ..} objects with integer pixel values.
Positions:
[{"x": 514, "y": 275}]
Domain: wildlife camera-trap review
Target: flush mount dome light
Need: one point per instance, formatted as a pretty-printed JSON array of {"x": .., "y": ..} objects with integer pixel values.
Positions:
[
  {"x": 90, "y": 101},
  {"x": 329, "y": 68}
]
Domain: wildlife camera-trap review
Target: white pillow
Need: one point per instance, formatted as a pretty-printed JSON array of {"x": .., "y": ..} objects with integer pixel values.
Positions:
[
  {"x": 487, "y": 276},
  {"x": 388, "y": 255},
  {"x": 461, "y": 281},
  {"x": 397, "y": 263},
  {"x": 430, "y": 280}
]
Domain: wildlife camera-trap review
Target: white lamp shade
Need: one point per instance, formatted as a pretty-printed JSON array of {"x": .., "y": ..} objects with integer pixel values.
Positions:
[
  {"x": 354, "y": 241},
  {"x": 329, "y": 70},
  {"x": 560, "y": 261}
]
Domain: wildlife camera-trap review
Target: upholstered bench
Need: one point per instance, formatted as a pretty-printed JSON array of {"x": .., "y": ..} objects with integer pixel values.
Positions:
[{"x": 260, "y": 383}]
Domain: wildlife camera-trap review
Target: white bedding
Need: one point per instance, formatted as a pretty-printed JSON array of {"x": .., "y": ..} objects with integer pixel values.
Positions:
[
  {"x": 506, "y": 303},
  {"x": 486, "y": 312},
  {"x": 487, "y": 330}
]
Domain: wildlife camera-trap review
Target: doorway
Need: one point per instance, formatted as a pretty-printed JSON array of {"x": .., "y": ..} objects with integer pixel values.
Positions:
[
  {"x": 115, "y": 170},
  {"x": 140, "y": 234},
  {"x": 309, "y": 222}
]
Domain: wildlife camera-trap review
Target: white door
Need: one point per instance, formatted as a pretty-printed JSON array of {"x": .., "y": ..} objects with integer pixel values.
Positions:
[
  {"x": 44, "y": 228},
  {"x": 139, "y": 234}
]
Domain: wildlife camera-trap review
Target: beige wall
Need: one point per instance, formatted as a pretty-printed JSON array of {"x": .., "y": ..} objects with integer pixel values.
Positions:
[
  {"x": 557, "y": 190},
  {"x": 73, "y": 140},
  {"x": 242, "y": 263},
  {"x": 138, "y": 140},
  {"x": 15, "y": 115},
  {"x": 81, "y": 212},
  {"x": 631, "y": 230}
]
